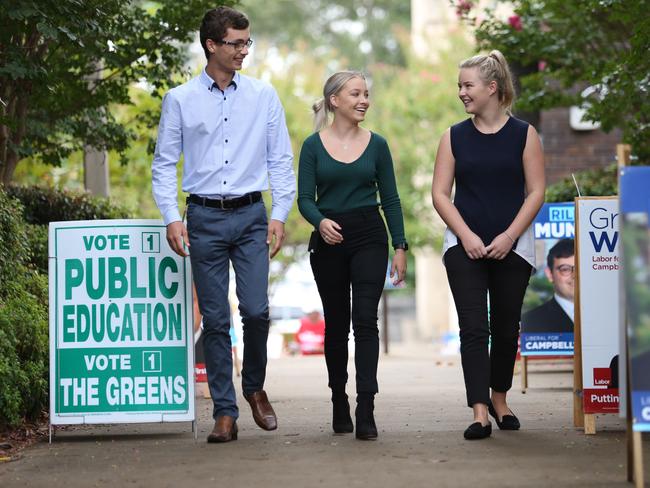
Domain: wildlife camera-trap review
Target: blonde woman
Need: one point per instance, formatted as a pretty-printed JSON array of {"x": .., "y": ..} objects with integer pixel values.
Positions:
[
  {"x": 497, "y": 165},
  {"x": 343, "y": 167}
]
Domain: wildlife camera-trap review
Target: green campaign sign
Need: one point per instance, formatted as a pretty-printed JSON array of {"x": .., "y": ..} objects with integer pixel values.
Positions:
[{"x": 121, "y": 340}]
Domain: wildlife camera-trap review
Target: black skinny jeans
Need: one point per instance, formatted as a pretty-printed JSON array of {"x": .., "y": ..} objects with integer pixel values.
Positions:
[
  {"x": 360, "y": 262},
  {"x": 471, "y": 281}
]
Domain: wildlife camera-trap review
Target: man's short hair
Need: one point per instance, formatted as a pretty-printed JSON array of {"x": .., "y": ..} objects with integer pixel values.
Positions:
[
  {"x": 564, "y": 248},
  {"x": 216, "y": 23}
]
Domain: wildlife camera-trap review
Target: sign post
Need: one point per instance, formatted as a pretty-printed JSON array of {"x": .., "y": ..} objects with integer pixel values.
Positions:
[{"x": 121, "y": 341}]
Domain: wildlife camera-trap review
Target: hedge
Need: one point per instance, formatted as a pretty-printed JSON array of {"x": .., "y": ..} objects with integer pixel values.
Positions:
[
  {"x": 44, "y": 205},
  {"x": 23, "y": 322},
  {"x": 14, "y": 249},
  {"x": 593, "y": 182},
  {"x": 24, "y": 347}
]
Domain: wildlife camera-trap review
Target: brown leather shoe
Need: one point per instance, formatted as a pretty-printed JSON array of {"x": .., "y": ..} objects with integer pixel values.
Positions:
[
  {"x": 263, "y": 413},
  {"x": 225, "y": 429}
]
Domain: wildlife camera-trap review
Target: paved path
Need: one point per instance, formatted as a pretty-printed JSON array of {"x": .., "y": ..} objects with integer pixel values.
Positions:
[{"x": 420, "y": 414}]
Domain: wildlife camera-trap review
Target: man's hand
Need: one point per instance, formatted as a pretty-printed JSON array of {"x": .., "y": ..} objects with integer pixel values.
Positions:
[
  {"x": 176, "y": 237},
  {"x": 276, "y": 228}
]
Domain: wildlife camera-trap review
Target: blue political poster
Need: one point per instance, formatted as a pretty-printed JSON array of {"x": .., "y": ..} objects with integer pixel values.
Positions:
[
  {"x": 635, "y": 210},
  {"x": 547, "y": 313}
]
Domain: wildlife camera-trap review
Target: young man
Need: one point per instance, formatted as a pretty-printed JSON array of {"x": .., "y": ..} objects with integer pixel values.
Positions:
[
  {"x": 232, "y": 133},
  {"x": 556, "y": 315}
]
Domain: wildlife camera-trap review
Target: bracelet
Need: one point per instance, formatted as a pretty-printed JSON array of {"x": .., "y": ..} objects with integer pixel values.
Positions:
[{"x": 508, "y": 235}]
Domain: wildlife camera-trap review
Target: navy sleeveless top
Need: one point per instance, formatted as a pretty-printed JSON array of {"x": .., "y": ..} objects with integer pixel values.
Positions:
[{"x": 489, "y": 174}]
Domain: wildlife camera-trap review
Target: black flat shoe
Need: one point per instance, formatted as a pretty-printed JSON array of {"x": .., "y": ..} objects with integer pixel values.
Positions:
[
  {"x": 478, "y": 431},
  {"x": 507, "y": 422}
]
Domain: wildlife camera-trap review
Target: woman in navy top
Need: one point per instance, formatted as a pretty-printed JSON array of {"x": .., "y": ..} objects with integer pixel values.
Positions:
[{"x": 497, "y": 164}]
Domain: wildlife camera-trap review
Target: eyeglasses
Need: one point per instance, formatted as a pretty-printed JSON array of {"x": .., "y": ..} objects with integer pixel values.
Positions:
[
  {"x": 237, "y": 45},
  {"x": 565, "y": 269}
]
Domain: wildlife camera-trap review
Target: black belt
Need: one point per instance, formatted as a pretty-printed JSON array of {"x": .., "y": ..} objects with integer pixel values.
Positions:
[{"x": 226, "y": 203}]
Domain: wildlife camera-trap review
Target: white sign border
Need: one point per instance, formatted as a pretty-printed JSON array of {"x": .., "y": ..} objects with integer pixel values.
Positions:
[{"x": 116, "y": 417}]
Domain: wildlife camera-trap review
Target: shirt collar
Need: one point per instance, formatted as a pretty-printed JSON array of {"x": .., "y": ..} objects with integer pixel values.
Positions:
[
  {"x": 208, "y": 82},
  {"x": 567, "y": 305}
]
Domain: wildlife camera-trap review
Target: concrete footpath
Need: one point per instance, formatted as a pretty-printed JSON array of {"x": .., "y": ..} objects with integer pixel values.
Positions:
[{"x": 420, "y": 413}]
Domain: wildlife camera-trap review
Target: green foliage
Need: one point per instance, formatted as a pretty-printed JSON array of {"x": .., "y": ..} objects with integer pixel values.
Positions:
[
  {"x": 593, "y": 183},
  {"x": 45, "y": 205},
  {"x": 14, "y": 251},
  {"x": 539, "y": 290},
  {"x": 23, "y": 349},
  {"x": 600, "y": 43},
  {"x": 40, "y": 206},
  {"x": 130, "y": 185},
  {"x": 363, "y": 33},
  {"x": 23, "y": 322},
  {"x": 37, "y": 241},
  {"x": 51, "y": 49}
]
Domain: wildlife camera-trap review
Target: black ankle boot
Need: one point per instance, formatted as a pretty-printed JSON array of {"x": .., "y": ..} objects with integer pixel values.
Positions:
[
  {"x": 366, "y": 428},
  {"x": 341, "y": 420}
]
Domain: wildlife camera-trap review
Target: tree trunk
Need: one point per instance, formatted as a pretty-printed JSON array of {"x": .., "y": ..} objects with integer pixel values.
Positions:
[
  {"x": 20, "y": 116},
  {"x": 4, "y": 130},
  {"x": 9, "y": 167},
  {"x": 16, "y": 97},
  {"x": 96, "y": 174},
  {"x": 3, "y": 151}
]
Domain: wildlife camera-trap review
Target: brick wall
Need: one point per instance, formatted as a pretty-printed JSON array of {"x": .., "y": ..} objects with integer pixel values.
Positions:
[{"x": 567, "y": 150}]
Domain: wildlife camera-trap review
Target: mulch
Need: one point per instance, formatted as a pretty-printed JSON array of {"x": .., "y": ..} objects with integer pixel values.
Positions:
[{"x": 14, "y": 441}]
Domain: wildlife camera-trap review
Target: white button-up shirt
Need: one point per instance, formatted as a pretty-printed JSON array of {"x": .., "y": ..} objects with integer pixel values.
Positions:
[{"x": 233, "y": 142}]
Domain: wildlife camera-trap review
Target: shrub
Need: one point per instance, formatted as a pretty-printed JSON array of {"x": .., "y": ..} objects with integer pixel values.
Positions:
[
  {"x": 45, "y": 205},
  {"x": 25, "y": 213},
  {"x": 592, "y": 182},
  {"x": 37, "y": 239},
  {"x": 23, "y": 322},
  {"x": 40, "y": 206},
  {"x": 23, "y": 349},
  {"x": 14, "y": 250}
]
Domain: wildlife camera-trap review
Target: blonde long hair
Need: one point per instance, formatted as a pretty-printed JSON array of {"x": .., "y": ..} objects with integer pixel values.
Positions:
[
  {"x": 323, "y": 107},
  {"x": 494, "y": 67}
]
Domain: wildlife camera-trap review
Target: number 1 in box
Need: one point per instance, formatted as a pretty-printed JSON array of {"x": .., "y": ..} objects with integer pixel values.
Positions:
[{"x": 151, "y": 362}]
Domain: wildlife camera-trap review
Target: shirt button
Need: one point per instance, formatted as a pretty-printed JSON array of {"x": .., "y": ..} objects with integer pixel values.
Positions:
[
  {"x": 226, "y": 162},
  {"x": 226, "y": 119},
  {"x": 224, "y": 98},
  {"x": 226, "y": 141},
  {"x": 224, "y": 182}
]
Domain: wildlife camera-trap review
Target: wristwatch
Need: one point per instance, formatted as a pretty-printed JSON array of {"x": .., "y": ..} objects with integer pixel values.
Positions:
[{"x": 401, "y": 245}]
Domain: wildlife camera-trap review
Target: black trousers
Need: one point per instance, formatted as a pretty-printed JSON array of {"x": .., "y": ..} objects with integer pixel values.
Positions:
[
  {"x": 358, "y": 262},
  {"x": 471, "y": 282}
]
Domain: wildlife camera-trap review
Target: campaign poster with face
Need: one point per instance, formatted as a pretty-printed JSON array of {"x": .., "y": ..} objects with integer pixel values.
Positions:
[{"x": 547, "y": 313}]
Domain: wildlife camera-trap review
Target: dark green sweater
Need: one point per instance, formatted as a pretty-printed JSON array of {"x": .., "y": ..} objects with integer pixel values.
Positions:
[{"x": 345, "y": 186}]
